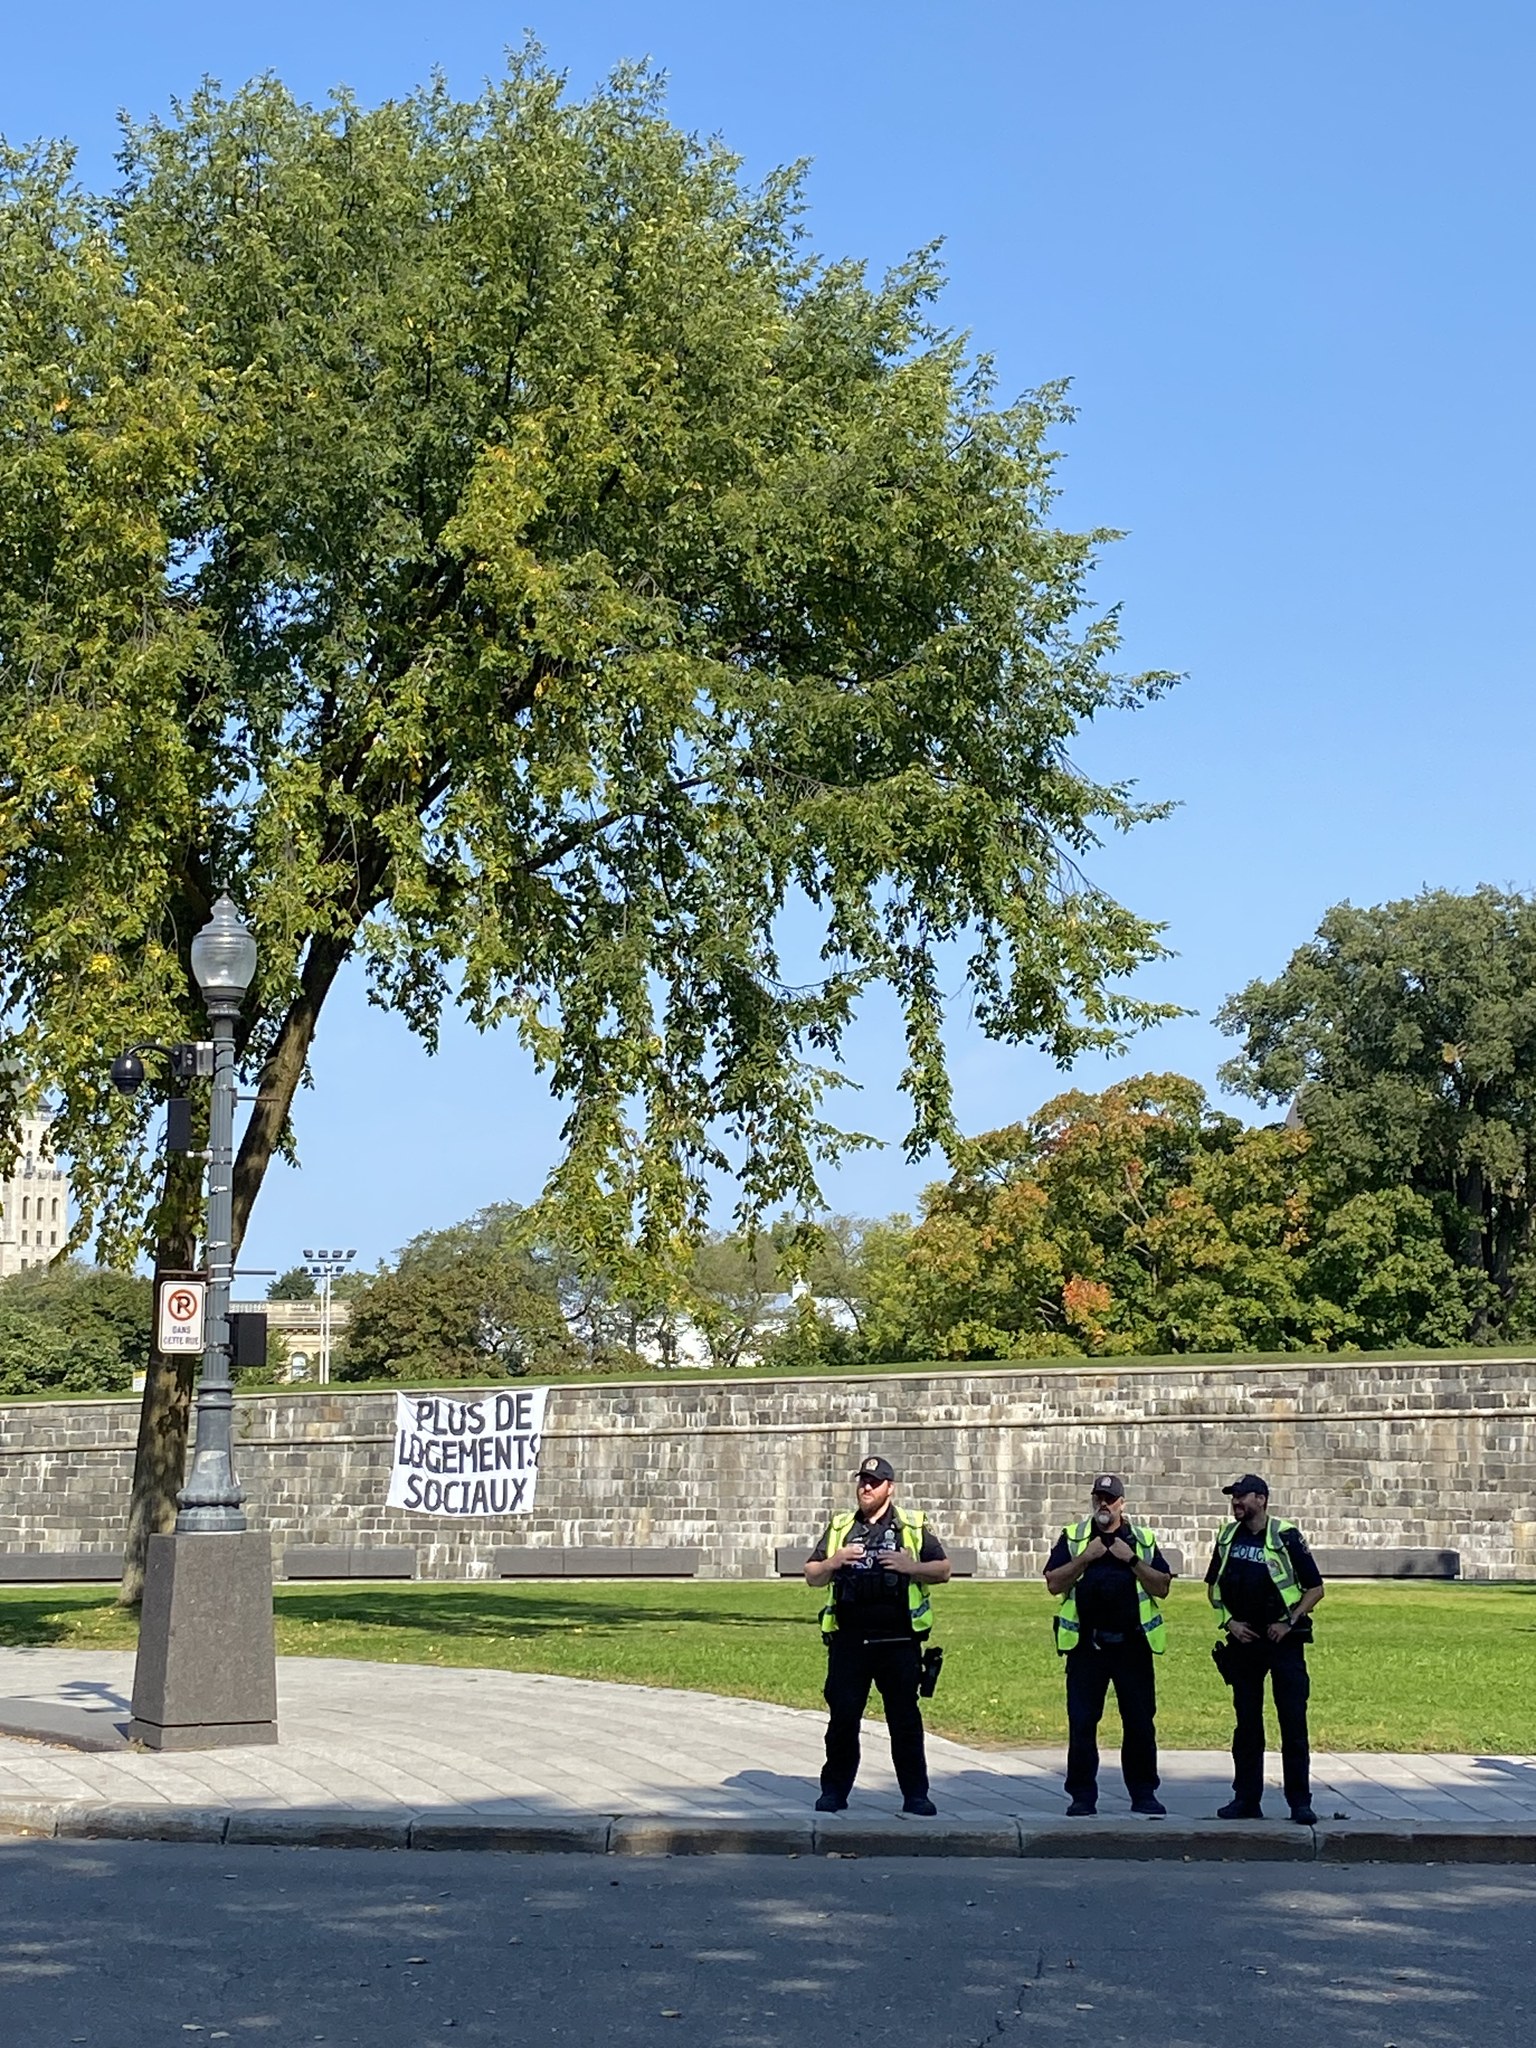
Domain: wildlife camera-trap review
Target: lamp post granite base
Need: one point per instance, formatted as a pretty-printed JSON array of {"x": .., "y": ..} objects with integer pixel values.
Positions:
[{"x": 206, "y": 1674}]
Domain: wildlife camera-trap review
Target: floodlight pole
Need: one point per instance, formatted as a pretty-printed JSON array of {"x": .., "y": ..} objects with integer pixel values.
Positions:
[{"x": 326, "y": 1267}]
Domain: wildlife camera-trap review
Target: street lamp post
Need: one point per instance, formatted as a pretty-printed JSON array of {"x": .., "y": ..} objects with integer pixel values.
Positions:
[
  {"x": 224, "y": 962},
  {"x": 206, "y": 1672}
]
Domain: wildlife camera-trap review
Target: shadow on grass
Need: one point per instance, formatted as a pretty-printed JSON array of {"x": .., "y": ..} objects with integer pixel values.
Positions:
[
  {"x": 488, "y": 1612},
  {"x": 38, "y": 1620}
]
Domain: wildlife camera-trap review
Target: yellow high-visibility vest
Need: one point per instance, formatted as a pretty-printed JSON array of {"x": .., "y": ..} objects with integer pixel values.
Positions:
[
  {"x": 1276, "y": 1558},
  {"x": 909, "y": 1531},
  {"x": 1148, "y": 1613}
]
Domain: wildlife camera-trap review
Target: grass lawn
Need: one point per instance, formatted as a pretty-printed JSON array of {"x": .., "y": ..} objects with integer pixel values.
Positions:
[{"x": 1426, "y": 1667}]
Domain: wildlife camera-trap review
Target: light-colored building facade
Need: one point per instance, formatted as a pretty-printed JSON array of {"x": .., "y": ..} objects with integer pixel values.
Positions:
[
  {"x": 299, "y": 1327},
  {"x": 34, "y": 1203}
]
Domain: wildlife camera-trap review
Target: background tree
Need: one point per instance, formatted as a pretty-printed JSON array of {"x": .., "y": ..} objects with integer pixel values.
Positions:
[
  {"x": 70, "y": 1328},
  {"x": 1136, "y": 1220},
  {"x": 471, "y": 1302},
  {"x": 297, "y": 1284},
  {"x": 1407, "y": 1036},
  {"x": 525, "y": 569},
  {"x": 736, "y": 1294}
]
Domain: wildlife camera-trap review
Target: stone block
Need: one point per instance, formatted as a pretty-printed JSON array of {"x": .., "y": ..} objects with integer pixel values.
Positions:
[
  {"x": 1168, "y": 1841},
  {"x": 1372, "y": 1561},
  {"x": 530, "y": 1561},
  {"x": 206, "y": 1672},
  {"x": 110, "y": 1823},
  {"x": 841, "y": 1835},
  {"x": 29, "y": 1816},
  {"x": 348, "y": 1561},
  {"x": 321, "y": 1827},
  {"x": 641, "y": 1835},
  {"x": 60, "y": 1567},
  {"x": 511, "y": 1834},
  {"x": 1409, "y": 1841}
]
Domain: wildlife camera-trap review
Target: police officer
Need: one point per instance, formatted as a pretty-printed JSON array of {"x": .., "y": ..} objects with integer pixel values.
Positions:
[
  {"x": 1264, "y": 1583},
  {"x": 1108, "y": 1576},
  {"x": 878, "y": 1561}
]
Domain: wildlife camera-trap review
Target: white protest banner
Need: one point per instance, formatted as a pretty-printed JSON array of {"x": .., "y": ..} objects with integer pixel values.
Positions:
[{"x": 474, "y": 1457}]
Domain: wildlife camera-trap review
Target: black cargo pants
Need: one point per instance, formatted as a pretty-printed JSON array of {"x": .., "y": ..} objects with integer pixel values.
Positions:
[{"x": 895, "y": 1668}]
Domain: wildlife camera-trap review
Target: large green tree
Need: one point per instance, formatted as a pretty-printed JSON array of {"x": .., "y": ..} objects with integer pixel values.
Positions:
[
  {"x": 486, "y": 538},
  {"x": 70, "y": 1328},
  {"x": 1406, "y": 1035},
  {"x": 1139, "y": 1220},
  {"x": 473, "y": 1302}
]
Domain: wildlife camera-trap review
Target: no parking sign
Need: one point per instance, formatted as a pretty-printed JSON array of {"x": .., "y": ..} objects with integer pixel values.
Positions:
[{"x": 179, "y": 1326}]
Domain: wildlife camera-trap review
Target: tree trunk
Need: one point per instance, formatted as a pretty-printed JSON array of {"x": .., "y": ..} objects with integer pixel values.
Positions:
[
  {"x": 281, "y": 1075},
  {"x": 160, "y": 1459},
  {"x": 1473, "y": 1256}
]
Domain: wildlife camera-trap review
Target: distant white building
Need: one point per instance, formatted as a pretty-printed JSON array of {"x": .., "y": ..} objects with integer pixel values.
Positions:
[{"x": 34, "y": 1203}]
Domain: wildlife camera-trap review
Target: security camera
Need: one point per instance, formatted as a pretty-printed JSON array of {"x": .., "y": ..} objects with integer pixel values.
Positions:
[{"x": 127, "y": 1072}]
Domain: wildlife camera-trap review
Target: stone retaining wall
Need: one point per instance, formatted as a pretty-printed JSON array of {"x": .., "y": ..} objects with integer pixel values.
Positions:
[{"x": 1440, "y": 1454}]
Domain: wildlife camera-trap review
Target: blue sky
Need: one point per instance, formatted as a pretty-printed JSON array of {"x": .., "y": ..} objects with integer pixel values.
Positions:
[{"x": 1281, "y": 253}]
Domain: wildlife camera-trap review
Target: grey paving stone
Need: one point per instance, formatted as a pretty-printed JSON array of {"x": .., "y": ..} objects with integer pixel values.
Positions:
[{"x": 73, "y": 1727}]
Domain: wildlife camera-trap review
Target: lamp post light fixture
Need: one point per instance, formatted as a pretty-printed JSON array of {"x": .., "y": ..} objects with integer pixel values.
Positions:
[
  {"x": 206, "y": 1673},
  {"x": 326, "y": 1267}
]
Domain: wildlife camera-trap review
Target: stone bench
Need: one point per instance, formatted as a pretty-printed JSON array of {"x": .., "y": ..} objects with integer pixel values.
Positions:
[
  {"x": 1373, "y": 1561},
  {"x": 789, "y": 1560},
  {"x": 594, "y": 1561},
  {"x": 342, "y": 1561},
  {"x": 60, "y": 1567}
]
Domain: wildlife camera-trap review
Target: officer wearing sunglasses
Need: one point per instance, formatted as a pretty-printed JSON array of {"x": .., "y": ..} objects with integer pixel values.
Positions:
[
  {"x": 877, "y": 1561},
  {"x": 1108, "y": 1576}
]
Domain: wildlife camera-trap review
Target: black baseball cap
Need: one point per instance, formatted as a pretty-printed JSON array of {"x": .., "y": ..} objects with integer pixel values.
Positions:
[
  {"x": 1111, "y": 1485},
  {"x": 1249, "y": 1483},
  {"x": 876, "y": 1470}
]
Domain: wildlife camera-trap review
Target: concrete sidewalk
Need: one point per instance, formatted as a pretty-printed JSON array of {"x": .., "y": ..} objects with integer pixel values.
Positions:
[{"x": 396, "y": 1755}]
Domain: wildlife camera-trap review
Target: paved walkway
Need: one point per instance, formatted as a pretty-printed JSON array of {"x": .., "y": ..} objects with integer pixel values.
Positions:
[{"x": 395, "y": 1742}]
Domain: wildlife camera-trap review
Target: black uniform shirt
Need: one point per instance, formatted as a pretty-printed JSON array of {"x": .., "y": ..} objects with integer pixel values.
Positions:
[
  {"x": 1248, "y": 1592},
  {"x": 1107, "y": 1594},
  {"x": 870, "y": 1600}
]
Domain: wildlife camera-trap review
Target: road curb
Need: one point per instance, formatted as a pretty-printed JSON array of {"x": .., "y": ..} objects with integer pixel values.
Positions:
[
  {"x": 1417, "y": 1841},
  {"x": 1170, "y": 1841},
  {"x": 1106, "y": 1839},
  {"x": 510, "y": 1835}
]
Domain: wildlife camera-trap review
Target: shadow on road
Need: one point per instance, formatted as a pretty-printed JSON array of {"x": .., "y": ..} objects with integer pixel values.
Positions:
[{"x": 134, "y": 1944}]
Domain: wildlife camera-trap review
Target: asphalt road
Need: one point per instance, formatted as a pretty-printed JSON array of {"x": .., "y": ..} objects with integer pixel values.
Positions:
[{"x": 143, "y": 1945}]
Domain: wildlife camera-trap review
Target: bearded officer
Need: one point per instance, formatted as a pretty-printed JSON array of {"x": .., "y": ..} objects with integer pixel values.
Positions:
[
  {"x": 1263, "y": 1582},
  {"x": 878, "y": 1560}
]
